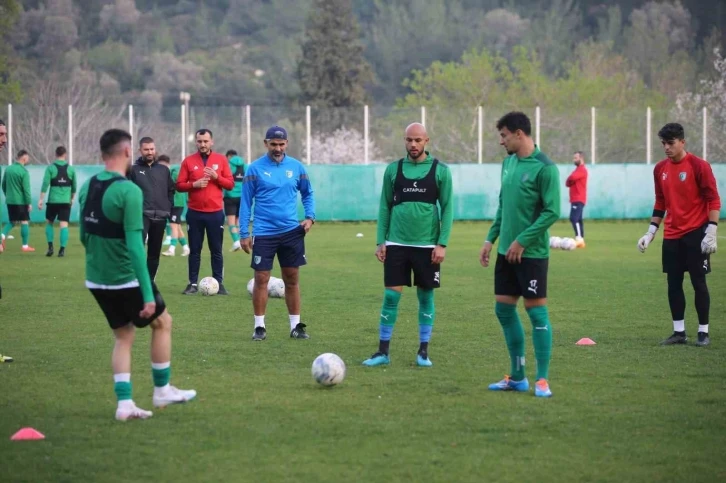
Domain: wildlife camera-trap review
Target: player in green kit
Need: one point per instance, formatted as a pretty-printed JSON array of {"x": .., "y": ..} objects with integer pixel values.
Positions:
[
  {"x": 412, "y": 236},
  {"x": 116, "y": 273},
  {"x": 16, "y": 186},
  {"x": 529, "y": 203},
  {"x": 180, "y": 201},
  {"x": 61, "y": 178},
  {"x": 232, "y": 198}
]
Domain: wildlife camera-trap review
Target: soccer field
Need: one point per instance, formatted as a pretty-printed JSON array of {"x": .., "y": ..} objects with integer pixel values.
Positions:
[{"x": 625, "y": 409}]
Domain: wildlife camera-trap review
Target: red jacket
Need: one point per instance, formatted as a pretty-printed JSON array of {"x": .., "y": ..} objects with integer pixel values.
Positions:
[
  {"x": 577, "y": 182},
  {"x": 686, "y": 191},
  {"x": 209, "y": 198}
]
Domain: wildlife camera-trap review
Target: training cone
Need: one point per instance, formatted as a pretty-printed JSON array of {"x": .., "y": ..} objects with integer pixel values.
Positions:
[
  {"x": 27, "y": 434},
  {"x": 585, "y": 341}
]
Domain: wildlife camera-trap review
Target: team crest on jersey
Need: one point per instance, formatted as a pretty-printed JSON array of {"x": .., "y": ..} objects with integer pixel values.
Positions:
[
  {"x": 289, "y": 174},
  {"x": 525, "y": 177},
  {"x": 682, "y": 175},
  {"x": 215, "y": 166}
]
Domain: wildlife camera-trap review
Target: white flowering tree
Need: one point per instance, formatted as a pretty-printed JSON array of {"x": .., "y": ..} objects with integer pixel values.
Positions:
[{"x": 342, "y": 146}]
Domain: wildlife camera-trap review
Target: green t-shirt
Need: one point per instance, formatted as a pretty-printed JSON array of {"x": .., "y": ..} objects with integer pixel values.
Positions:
[
  {"x": 58, "y": 194},
  {"x": 115, "y": 263},
  {"x": 16, "y": 185},
  {"x": 416, "y": 223},
  {"x": 529, "y": 203},
  {"x": 180, "y": 198}
]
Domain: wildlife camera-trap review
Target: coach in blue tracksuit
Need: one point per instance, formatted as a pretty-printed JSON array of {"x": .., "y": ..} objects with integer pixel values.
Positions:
[{"x": 272, "y": 183}]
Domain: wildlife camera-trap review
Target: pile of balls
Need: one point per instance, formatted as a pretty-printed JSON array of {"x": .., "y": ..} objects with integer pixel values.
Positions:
[{"x": 563, "y": 243}]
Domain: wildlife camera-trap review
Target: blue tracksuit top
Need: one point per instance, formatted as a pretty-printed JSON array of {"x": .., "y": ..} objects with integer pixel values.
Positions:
[{"x": 274, "y": 187}]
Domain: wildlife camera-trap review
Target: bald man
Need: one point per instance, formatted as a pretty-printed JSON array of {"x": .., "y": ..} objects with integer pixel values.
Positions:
[{"x": 414, "y": 224}]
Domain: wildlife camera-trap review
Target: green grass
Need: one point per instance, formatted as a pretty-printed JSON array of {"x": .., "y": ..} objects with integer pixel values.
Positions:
[{"x": 623, "y": 410}]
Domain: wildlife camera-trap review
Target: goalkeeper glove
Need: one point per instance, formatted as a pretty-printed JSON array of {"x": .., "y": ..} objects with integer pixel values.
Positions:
[
  {"x": 647, "y": 238},
  {"x": 708, "y": 244}
]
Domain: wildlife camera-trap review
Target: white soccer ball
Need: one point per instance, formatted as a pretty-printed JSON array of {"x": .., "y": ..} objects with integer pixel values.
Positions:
[
  {"x": 250, "y": 286},
  {"x": 555, "y": 242},
  {"x": 569, "y": 244},
  {"x": 328, "y": 369},
  {"x": 208, "y": 286},
  {"x": 276, "y": 288}
]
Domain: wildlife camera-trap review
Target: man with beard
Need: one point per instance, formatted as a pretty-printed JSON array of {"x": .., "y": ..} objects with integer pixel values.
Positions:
[
  {"x": 577, "y": 182},
  {"x": 273, "y": 183}
]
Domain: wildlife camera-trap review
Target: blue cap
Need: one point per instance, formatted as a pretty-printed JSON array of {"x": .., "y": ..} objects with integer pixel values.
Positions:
[{"x": 276, "y": 132}]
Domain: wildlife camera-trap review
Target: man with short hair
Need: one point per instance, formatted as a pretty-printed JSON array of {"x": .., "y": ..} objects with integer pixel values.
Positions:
[
  {"x": 158, "y": 189},
  {"x": 272, "y": 183},
  {"x": 179, "y": 202},
  {"x": 61, "y": 178},
  {"x": 3, "y": 141},
  {"x": 232, "y": 197},
  {"x": 111, "y": 226},
  {"x": 577, "y": 183},
  {"x": 686, "y": 195},
  {"x": 529, "y": 203},
  {"x": 204, "y": 175},
  {"x": 16, "y": 186},
  {"x": 412, "y": 237}
]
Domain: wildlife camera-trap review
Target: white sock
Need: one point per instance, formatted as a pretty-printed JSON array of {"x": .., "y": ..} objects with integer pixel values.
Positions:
[
  {"x": 703, "y": 328},
  {"x": 122, "y": 377},
  {"x": 259, "y": 321},
  {"x": 679, "y": 325},
  {"x": 294, "y": 320},
  {"x": 126, "y": 404},
  {"x": 25, "y": 246}
]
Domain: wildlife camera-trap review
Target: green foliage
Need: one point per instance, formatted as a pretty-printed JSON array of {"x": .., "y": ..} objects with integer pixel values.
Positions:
[
  {"x": 10, "y": 88},
  {"x": 332, "y": 71}
]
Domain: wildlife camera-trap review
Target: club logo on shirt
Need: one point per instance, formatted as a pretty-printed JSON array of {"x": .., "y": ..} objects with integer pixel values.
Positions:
[
  {"x": 215, "y": 166},
  {"x": 288, "y": 174},
  {"x": 196, "y": 168},
  {"x": 682, "y": 175},
  {"x": 664, "y": 176},
  {"x": 525, "y": 177}
]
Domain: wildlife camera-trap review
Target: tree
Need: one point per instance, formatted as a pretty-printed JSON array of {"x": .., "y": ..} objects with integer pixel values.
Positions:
[
  {"x": 333, "y": 71},
  {"x": 9, "y": 85}
]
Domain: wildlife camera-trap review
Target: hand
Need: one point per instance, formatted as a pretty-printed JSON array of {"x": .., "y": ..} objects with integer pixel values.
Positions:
[
  {"x": 484, "y": 254},
  {"x": 381, "y": 252},
  {"x": 438, "y": 254},
  {"x": 30, "y": 208},
  {"x": 708, "y": 244},
  {"x": 201, "y": 183},
  {"x": 210, "y": 173},
  {"x": 40, "y": 204},
  {"x": 514, "y": 254},
  {"x": 307, "y": 223},
  {"x": 148, "y": 311},
  {"x": 246, "y": 244},
  {"x": 647, "y": 238}
]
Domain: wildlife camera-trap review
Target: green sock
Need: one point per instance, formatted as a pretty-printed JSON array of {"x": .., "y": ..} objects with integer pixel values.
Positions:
[
  {"x": 168, "y": 229},
  {"x": 389, "y": 314},
  {"x": 161, "y": 372},
  {"x": 25, "y": 233},
  {"x": 7, "y": 229},
  {"x": 183, "y": 241},
  {"x": 49, "y": 234},
  {"x": 122, "y": 390},
  {"x": 64, "y": 237},
  {"x": 235, "y": 235},
  {"x": 174, "y": 242},
  {"x": 514, "y": 335},
  {"x": 426, "y": 316},
  {"x": 542, "y": 339}
]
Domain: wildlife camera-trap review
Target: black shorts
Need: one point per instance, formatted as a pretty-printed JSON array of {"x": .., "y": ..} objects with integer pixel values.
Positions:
[
  {"x": 62, "y": 211},
  {"x": 176, "y": 214},
  {"x": 401, "y": 261},
  {"x": 122, "y": 307},
  {"x": 527, "y": 279},
  {"x": 684, "y": 254},
  {"x": 289, "y": 248},
  {"x": 18, "y": 213},
  {"x": 231, "y": 206}
]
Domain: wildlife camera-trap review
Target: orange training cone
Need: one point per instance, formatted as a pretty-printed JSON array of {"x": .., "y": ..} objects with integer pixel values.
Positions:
[
  {"x": 585, "y": 341},
  {"x": 27, "y": 434}
]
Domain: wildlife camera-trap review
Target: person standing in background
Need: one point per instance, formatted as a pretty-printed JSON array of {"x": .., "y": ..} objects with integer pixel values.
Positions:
[
  {"x": 232, "y": 197},
  {"x": 16, "y": 186},
  {"x": 61, "y": 178},
  {"x": 577, "y": 182}
]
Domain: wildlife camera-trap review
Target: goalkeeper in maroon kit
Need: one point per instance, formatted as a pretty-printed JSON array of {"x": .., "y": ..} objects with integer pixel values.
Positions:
[{"x": 687, "y": 196}]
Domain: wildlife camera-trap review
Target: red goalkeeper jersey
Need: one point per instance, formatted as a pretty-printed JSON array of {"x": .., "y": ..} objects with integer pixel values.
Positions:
[{"x": 686, "y": 191}]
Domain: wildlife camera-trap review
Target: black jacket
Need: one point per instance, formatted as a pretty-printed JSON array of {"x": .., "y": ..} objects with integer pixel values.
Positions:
[{"x": 156, "y": 184}]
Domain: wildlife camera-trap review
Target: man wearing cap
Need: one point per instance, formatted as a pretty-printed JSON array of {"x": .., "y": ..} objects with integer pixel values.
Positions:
[
  {"x": 204, "y": 175},
  {"x": 273, "y": 183}
]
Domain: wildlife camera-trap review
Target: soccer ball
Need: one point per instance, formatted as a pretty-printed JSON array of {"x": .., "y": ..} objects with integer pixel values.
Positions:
[
  {"x": 568, "y": 244},
  {"x": 276, "y": 288},
  {"x": 208, "y": 286},
  {"x": 250, "y": 286},
  {"x": 555, "y": 242},
  {"x": 328, "y": 369}
]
